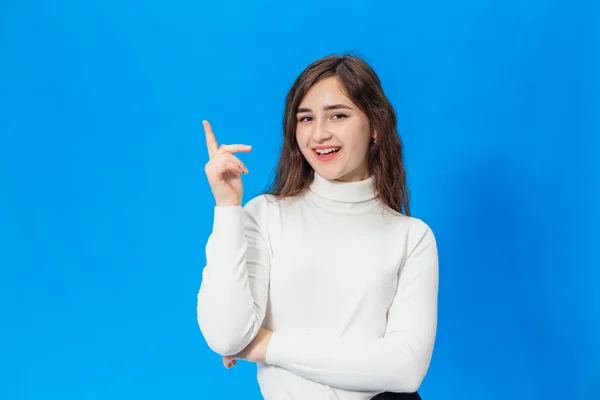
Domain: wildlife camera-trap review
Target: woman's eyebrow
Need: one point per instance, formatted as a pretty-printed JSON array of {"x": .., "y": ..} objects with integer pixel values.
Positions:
[{"x": 326, "y": 108}]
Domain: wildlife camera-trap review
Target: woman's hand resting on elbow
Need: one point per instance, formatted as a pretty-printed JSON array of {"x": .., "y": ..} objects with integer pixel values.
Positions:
[{"x": 256, "y": 351}]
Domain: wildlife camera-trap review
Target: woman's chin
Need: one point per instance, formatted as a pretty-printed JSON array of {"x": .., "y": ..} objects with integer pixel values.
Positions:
[{"x": 329, "y": 174}]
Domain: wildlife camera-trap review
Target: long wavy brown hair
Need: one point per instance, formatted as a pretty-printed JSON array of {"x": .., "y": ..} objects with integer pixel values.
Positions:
[{"x": 360, "y": 83}]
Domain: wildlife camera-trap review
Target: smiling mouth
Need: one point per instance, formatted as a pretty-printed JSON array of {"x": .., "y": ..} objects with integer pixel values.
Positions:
[{"x": 327, "y": 154}]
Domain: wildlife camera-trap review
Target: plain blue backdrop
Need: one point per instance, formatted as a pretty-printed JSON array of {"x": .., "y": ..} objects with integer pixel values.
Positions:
[{"x": 105, "y": 209}]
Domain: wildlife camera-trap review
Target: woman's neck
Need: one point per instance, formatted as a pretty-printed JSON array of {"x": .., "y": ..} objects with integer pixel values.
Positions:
[{"x": 344, "y": 192}]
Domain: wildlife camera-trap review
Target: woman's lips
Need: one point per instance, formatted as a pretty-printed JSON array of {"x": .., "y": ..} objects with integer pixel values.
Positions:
[{"x": 327, "y": 156}]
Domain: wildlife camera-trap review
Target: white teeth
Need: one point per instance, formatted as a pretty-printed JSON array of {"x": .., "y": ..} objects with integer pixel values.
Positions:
[{"x": 327, "y": 151}]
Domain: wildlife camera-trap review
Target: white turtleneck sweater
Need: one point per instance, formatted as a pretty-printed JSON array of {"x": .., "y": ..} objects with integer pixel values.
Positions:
[{"x": 348, "y": 287}]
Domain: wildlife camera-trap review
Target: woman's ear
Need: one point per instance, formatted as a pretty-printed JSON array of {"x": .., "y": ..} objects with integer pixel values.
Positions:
[{"x": 373, "y": 137}]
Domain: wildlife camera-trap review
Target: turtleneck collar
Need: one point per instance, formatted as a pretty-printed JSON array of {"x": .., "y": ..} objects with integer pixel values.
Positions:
[{"x": 344, "y": 192}]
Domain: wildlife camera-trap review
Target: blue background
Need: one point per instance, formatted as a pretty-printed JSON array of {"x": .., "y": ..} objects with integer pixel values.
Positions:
[{"x": 105, "y": 209}]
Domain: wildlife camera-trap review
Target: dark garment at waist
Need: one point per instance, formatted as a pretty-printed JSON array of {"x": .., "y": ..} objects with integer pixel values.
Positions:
[{"x": 397, "y": 396}]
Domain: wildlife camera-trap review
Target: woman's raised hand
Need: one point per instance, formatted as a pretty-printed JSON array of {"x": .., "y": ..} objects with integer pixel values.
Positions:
[{"x": 224, "y": 170}]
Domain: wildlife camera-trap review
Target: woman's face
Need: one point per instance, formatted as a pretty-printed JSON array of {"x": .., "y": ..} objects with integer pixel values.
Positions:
[{"x": 333, "y": 133}]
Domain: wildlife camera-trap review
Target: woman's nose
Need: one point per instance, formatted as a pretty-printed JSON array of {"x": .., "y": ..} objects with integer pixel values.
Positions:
[{"x": 322, "y": 132}]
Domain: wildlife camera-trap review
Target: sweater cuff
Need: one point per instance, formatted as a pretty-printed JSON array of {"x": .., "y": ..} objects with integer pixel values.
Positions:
[{"x": 228, "y": 228}]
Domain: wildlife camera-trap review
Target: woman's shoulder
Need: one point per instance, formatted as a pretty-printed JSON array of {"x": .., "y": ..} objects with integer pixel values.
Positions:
[
  {"x": 268, "y": 211},
  {"x": 258, "y": 204},
  {"x": 411, "y": 225},
  {"x": 263, "y": 203},
  {"x": 268, "y": 201}
]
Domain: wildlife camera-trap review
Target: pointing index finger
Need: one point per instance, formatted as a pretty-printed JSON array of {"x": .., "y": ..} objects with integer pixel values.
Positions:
[
  {"x": 234, "y": 148},
  {"x": 211, "y": 140}
]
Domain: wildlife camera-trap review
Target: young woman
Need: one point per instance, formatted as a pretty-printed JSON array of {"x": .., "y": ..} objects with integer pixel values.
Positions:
[{"x": 325, "y": 281}]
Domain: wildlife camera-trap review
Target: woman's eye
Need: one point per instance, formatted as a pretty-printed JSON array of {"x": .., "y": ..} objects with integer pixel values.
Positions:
[
  {"x": 304, "y": 119},
  {"x": 339, "y": 116}
]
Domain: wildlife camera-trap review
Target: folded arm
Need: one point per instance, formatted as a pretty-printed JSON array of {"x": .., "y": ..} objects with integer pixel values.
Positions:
[{"x": 396, "y": 362}]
